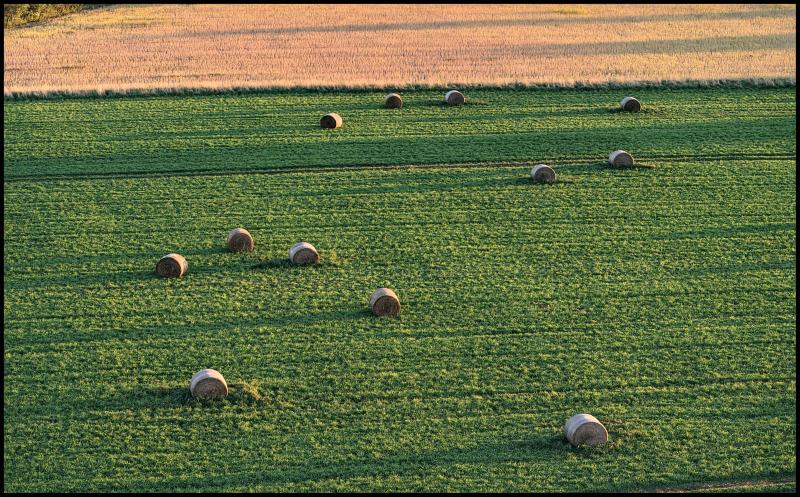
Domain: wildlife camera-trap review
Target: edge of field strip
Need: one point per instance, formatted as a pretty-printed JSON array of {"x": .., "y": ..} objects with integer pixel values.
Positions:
[
  {"x": 200, "y": 90},
  {"x": 563, "y": 164},
  {"x": 761, "y": 484}
]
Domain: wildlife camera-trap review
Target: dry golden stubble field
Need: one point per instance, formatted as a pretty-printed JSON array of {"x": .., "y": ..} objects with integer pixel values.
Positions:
[{"x": 218, "y": 46}]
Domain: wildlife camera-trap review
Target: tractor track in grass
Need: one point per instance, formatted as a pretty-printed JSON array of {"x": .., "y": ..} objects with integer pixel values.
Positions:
[{"x": 559, "y": 164}]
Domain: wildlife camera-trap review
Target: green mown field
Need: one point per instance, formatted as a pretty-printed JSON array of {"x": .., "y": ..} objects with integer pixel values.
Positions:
[{"x": 659, "y": 299}]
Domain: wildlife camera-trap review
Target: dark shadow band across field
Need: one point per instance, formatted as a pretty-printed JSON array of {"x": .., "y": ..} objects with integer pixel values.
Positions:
[
  {"x": 507, "y": 128},
  {"x": 716, "y": 44},
  {"x": 488, "y": 23}
]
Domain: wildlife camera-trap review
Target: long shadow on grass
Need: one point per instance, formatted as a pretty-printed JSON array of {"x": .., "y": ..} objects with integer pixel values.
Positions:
[
  {"x": 645, "y": 111},
  {"x": 119, "y": 277},
  {"x": 165, "y": 397},
  {"x": 536, "y": 450},
  {"x": 206, "y": 251},
  {"x": 198, "y": 331},
  {"x": 526, "y": 181},
  {"x": 601, "y": 166},
  {"x": 329, "y": 260},
  {"x": 148, "y": 266},
  {"x": 354, "y": 313}
]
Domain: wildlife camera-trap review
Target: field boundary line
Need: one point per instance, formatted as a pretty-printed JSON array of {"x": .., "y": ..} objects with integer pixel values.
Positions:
[
  {"x": 699, "y": 487},
  {"x": 200, "y": 90},
  {"x": 557, "y": 163}
]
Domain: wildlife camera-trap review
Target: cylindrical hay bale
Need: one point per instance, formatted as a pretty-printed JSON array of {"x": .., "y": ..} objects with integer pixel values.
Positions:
[
  {"x": 331, "y": 121},
  {"x": 208, "y": 384},
  {"x": 384, "y": 302},
  {"x": 393, "y": 101},
  {"x": 303, "y": 253},
  {"x": 240, "y": 240},
  {"x": 172, "y": 266},
  {"x": 454, "y": 97},
  {"x": 542, "y": 173},
  {"x": 585, "y": 429},
  {"x": 620, "y": 158},
  {"x": 630, "y": 104}
]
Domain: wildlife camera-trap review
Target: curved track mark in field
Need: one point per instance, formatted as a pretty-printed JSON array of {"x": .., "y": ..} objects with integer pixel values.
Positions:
[{"x": 559, "y": 163}]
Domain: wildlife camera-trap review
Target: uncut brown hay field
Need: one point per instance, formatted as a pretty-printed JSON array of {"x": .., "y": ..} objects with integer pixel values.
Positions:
[{"x": 219, "y": 46}]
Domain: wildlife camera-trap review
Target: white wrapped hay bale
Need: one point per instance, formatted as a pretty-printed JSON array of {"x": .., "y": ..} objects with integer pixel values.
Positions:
[
  {"x": 585, "y": 429},
  {"x": 172, "y": 266},
  {"x": 240, "y": 240},
  {"x": 384, "y": 302},
  {"x": 542, "y": 173},
  {"x": 303, "y": 253},
  {"x": 208, "y": 384},
  {"x": 620, "y": 158}
]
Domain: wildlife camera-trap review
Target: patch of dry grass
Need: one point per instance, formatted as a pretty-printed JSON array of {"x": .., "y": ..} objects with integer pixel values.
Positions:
[{"x": 221, "y": 46}]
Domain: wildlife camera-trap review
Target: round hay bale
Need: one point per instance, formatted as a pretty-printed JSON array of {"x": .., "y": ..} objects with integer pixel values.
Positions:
[
  {"x": 620, "y": 158},
  {"x": 393, "y": 101},
  {"x": 454, "y": 97},
  {"x": 384, "y": 302},
  {"x": 630, "y": 104},
  {"x": 542, "y": 173},
  {"x": 585, "y": 429},
  {"x": 172, "y": 266},
  {"x": 240, "y": 240},
  {"x": 208, "y": 384},
  {"x": 303, "y": 253},
  {"x": 331, "y": 121}
]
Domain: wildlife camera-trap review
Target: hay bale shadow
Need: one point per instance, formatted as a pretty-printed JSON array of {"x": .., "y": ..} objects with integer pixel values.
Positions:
[
  {"x": 636, "y": 165},
  {"x": 349, "y": 313},
  {"x": 239, "y": 393},
  {"x": 644, "y": 110},
  {"x": 184, "y": 277},
  {"x": 576, "y": 167},
  {"x": 558, "y": 443},
  {"x": 153, "y": 275},
  {"x": 469, "y": 102},
  {"x": 161, "y": 395},
  {"x": 528, "y": 181},
  {"x": 571, "y": 112},
  {"x": 365, "y": 312},
  {"x": 327, "y": 259},
  {"x": 208, "y": 251}
]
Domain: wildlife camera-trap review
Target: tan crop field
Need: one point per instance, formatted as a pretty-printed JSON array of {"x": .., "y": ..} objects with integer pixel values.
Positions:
[{"x": 218, "y": 46}]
